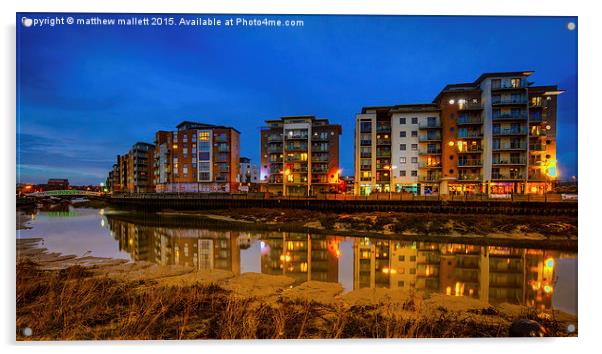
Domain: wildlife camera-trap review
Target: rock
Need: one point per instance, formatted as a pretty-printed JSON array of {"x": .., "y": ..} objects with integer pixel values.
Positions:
[{"x": 527, "y": 328}]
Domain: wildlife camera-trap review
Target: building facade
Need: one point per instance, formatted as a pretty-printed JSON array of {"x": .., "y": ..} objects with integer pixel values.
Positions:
[
  {"x": 496, "y": 135},
  {"x": 139, "y": 170},
  {"x": 300, "y": 156},
  {"x": 197, "y": 157}
]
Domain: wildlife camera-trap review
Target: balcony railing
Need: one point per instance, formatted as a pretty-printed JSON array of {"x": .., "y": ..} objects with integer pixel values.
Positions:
[
  {"x": 469, "y": 163},
  {"x": 509, "y": 86},
  {"x": 429, "y": 165},
  {"x": 469, "y": 106},
  {"x": 463, "y": 177},
  {"x": 383, "y": 128},
  {"x": 510, "y": 116},
  {"x": 470, "y": 150},
  {"x": 538, "y": 133},
  {"x": 470, "y": 120},
  {"x": 383, "y": 141},
  {"x": 469, "y": 135},
  {"x": 365, "y": 142},
  {"x": 429, "y": 125},
  {"x": 537, "y": 147},
  {"x": 365, "y": 167},
  {"x": 511, "y": 177},
  {"x": 430, "y": 151},
  {"x": 509, "y": 101},
  {"x": 430, "y": 137},
  {"x": 274, "y": 138},
  {"x": 430, "y": 177},
  {"x": 510, "y": 131},
  {"x": 383, "y": 154},
  {"x": 519, "y": 161},
  {"x": 510, "y": 147}
]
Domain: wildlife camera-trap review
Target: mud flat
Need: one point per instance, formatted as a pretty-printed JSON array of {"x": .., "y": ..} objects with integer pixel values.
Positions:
[{"x": 66, "y": 297}]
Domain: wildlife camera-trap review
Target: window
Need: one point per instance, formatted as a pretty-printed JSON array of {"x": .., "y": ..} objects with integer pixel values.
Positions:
[
  {"x": 400, "y": 284},
  {"x": 204, "y": 136},
  {"x": 402, "y": 147},
  {"x": 402, "y": 160},
  {"x": 402, "y": 258},
  {"x": 414, "y": 147},
  {"x": 402, "y": 134},
  {"x": 414, "y": 173},
  {"x": 402, "y": 173},
  {"x": 402, "y": 121},
  {"x": 414, "y": 133},
  {"x": 412, "y": 270},
  {"x": 415, "y": 120},
  {"x": 414, "y": 160},
  {"x": 412, "y": 258}
]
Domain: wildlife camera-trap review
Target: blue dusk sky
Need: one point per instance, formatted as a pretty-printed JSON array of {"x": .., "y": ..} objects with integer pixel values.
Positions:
[{"x": 87, "y": 93}]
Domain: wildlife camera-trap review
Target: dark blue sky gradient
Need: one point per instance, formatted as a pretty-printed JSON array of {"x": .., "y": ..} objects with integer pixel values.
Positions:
[{"x": 86, "y": 94}]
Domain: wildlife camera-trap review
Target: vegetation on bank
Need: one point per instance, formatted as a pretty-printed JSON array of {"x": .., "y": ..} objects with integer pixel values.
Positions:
[{"x": 74, "y": 303}]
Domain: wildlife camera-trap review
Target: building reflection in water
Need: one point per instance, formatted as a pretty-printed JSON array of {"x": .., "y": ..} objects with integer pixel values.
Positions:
[{"x": 488, "y": 273}]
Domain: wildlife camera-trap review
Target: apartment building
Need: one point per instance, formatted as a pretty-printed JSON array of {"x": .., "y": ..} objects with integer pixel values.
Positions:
[
  {"x": 300, "y": 156},
  {"x": 197, "y": 157},
  {"x": 139, "y": 168},
  {"x": 249, "y": 173},
  {"x": 393, "y": 145},
  {"x": 496, "y": 135}
]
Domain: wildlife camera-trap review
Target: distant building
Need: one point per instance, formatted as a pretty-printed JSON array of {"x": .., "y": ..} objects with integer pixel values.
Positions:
[
  {"x": 300, "y": 155},
  {"x": 140, "y": 168},
  {"x": 197, "y": 157},
  {"x": 249, "y": 173},
  {"x": 347, "y": 184},
  {"x": 55, "y": 184}
]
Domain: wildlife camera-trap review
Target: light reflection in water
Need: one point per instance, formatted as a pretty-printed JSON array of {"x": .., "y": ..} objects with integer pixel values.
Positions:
[{"x": 490, "y": 273}]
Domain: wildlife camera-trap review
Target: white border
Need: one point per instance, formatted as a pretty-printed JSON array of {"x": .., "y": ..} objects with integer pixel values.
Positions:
[{"x": 589, "y": 166}]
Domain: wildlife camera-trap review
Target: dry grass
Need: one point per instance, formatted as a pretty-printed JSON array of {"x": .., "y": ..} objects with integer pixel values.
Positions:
[{"x": 76, "y": 304}]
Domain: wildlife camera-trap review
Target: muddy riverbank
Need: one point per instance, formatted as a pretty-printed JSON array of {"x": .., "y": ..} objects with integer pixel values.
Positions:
[
  {"x": 518, "y": 231},
  {"x": 69, "y": 297}
]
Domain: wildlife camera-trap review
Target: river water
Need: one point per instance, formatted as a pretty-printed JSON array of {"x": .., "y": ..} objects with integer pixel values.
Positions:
[{"x": 533, "y": 277}]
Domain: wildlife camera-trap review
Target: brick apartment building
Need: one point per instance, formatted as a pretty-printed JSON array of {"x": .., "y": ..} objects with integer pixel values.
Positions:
[
  {"x": 300, "y": 156},
  {"x": 197, "y": 157}
]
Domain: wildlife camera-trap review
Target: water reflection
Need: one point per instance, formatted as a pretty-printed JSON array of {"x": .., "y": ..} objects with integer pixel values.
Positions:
[{"x": 488, "y": 273}]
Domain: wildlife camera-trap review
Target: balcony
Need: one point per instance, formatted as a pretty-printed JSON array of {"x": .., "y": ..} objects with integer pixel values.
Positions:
[
  {"x": 319, "y": 170},
  {"x": 471, "y": 150},
  {"x": 293, "y": 147},
  {"x": 462, "y": 134},
  {"x": 510, "y": 131},
  {"x": 366, "y": 142},
  {"x": 383, "y": 141},
  {"x": 365, "y": 167},
  {"x": 510, "y": 116},
  {"x": 537, "y": 147},
  {"x": 535, "y": 118},
  {"x": 509, "y": 86},
  {"x": 383, "y": 154},
  {"x": 511, "y": 161},
  {"x": 383, "y": 128},
  {"x": 466, "y": 177},
  {"x": 509, "y": 101},
  {"x": 436, "y": 151},
  {"x": 318, "y": 148},
  {"x": 469, "y": 163},
  {"x": 466, "y": 120},
  {"x": 319, "y": 137},
  {"x": 538, "y": 133},
  {"x": 433, "y": 177},
  {"x": 274, "y": 138},
  {"x": 429, "y": 165},
  {"x": 511, "y": 177},
  {"x": 430, "y": 137},
  {"x": 470, "y": 106},
  {"x": 429, "y": 125},
  {"x": 296, "y": 137},
  {"x": 501, "y": 147},
  {"x": 275, "y": 149}
]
